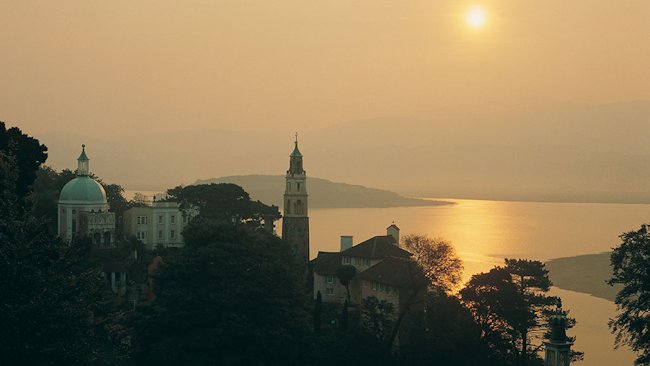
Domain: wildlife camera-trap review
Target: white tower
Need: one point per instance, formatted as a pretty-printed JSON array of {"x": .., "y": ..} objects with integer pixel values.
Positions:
[{"x": 295, "y": 222}]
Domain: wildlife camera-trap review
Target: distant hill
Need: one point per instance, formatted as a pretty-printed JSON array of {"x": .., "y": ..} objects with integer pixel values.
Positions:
[
  {"x": 584, "y": 273},
  {"x": 322, "y": 192}
]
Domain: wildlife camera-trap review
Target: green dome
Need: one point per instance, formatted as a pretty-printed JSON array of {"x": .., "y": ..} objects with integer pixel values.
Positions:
[{"x": 83, "y": 189}]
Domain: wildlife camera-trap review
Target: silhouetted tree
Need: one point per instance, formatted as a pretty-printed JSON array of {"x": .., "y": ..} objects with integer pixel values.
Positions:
[
  {"x": 630, "y": 263},
  {"x": 448, "y": 335},
  {"x": 345, "y": 274},
  {"x": 138, "y": 200},
  {"x": 224, "y": 202},
  {"x": 25, "y": 155},
  {"x": 438, "y": 260},
  {"x": 377, "y": 318},
  {"x": 49, "y": 294},
  {"x": 511, "y": 306}
]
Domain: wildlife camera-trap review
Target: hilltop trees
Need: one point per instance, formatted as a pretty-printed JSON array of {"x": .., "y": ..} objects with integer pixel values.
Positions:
[{"x": 630, "y": 263}]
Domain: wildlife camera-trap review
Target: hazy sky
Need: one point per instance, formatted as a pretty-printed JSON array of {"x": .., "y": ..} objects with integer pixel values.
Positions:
[
  {"x": 137, "y": 65},
  {"x": 137, "y": 68}
]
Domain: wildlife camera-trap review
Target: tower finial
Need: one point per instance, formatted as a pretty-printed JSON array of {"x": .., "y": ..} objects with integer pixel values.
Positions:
[
  {"x": 82, "y": 165},
  {"x": 296, "y": 138}
]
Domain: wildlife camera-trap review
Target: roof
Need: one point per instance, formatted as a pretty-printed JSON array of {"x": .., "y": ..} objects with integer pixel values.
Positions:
[
  {"x": 83, "y": 153},
  {"x": 296, "y": 152},
  {"x": 326, "y": 263},
  {"x": 377, "y": 247},
  {"x": 395, "y": 272},
  {"x": 84, "y": 190}
]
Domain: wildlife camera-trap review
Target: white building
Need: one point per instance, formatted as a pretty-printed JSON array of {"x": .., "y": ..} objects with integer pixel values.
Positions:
[
  {"x": 160, "y": 224},
  {"x": 83, "y": 208}
]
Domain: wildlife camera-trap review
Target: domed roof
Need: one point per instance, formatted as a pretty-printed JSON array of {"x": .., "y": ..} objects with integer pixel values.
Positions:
[{"x": 83, "y": 189}]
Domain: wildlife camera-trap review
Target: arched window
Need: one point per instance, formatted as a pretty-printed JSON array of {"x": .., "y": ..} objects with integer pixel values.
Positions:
[
  {"x": 107, "y": 238},
  {"x": 288, "y": 207},
  {"x": 299, "y": 207}
]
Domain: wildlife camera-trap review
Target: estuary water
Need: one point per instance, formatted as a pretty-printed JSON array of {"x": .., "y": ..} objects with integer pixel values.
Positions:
[{"x": 485, "y": 232}]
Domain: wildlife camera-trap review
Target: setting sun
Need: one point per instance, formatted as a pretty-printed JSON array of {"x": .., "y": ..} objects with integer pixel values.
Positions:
[{"x": 475, "y": 17}]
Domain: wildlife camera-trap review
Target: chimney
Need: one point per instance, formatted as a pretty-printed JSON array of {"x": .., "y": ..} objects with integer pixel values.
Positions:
[
  {"x": 346, "y": 242},
  {"x": 393, "y": 231}
]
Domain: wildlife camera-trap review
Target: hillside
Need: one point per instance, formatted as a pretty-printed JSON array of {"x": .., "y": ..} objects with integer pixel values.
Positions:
[
  {"x": 584, "y": 273},
  {"x": 322, "y": 192}
]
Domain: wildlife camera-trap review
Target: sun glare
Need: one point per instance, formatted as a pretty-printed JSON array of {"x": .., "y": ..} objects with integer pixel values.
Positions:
[{"x": 475, "y": 17}]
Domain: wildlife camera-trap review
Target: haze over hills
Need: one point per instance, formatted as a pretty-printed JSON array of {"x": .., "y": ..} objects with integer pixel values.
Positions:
[
  {"x": 323, "y": 193},
  {"x": 577, "y": 153}
]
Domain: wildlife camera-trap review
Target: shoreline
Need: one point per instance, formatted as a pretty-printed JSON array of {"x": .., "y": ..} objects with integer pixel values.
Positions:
[{"x": 585, "y": 273}]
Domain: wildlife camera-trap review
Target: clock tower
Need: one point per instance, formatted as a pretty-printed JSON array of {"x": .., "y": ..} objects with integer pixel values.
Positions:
[{"x": 295, "y": 221}]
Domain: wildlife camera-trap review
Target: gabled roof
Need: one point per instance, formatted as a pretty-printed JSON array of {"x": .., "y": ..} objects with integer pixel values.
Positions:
[
  {"x": 377, "y": 247},
  {"x": 326, "y": 263},
  {"x": 395, "y": 272}
]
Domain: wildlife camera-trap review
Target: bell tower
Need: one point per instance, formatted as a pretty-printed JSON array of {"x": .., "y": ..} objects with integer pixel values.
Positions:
[{"x": 295, "y": 222}]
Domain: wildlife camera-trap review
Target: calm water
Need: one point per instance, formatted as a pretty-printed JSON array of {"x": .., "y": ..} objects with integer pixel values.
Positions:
[{"x": 485, "y": 232}]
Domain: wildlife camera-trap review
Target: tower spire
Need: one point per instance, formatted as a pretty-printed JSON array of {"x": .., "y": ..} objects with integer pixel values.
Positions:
[{"x": 83, "y": 166}]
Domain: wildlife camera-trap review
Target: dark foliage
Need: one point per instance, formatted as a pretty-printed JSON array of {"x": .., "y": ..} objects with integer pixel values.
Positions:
[
  {"x": 224, "y": 202},
  {"x": 25, "y": 155},
  {"x": 232, "y": 297},
  {"x": 447, "y": 336},
  {"x": 631, "y": 268},
  {"x": 511, "y": 306},
  {"x": 48, "y": 291}
]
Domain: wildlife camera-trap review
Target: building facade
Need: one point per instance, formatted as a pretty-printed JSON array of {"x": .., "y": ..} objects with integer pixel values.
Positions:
[
  {"x": 159, "y": 225},
  {"x": 295, "y": 221},
  {"x": 83, "y": 209},
  {"x": 368, "y": 256}
]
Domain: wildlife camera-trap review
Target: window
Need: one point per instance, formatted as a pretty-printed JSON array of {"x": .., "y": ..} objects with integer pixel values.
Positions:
[
  {"x": 330, "y": 279},
  {"x": 357, "y": 261},
  {"x": 329, "y": 291},
  {"x": 137, "y": 219},
  {"x": 144, "y": 220},
  {"x": 160, "y": 234},
  {"x": 366, "y": 262},
  {"x": 172, "y": 219},
  {"x": 347, "y": 260},
  {"x": 172, "y": 234},
  {"x": 298, "y": 186},
  {"x": 380, "y": 287},
  {"x": 160, "y": 219},
  {"x": 141, "y": 235}
]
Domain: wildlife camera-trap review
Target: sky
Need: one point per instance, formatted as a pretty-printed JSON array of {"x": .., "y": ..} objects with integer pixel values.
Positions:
[{"x": 157, "y": 78}]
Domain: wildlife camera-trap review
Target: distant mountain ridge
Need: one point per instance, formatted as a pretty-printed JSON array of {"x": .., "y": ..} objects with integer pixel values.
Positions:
[{"x": 323, "y": 193}]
